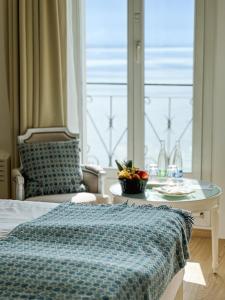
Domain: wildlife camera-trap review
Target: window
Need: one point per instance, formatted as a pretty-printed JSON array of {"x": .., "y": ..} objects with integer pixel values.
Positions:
[
  {"x": 169, "y": 47},
  {"x": 106, "y": 76},
  {"x": 139, "y": 79}
]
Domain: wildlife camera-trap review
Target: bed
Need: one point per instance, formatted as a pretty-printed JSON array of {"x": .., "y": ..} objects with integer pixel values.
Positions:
[
  {"x": 16, "y": 254},
  {"x": 15, "y": 212}
]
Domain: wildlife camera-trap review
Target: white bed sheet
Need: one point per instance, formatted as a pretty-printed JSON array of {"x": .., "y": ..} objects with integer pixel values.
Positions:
[{"x": 15, "y": 212}]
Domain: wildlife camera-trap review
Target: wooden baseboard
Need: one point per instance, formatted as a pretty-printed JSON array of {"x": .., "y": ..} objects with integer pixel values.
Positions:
[{"x": 206, "y": 233}]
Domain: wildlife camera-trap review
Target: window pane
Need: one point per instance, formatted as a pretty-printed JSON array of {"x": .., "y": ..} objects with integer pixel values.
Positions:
[
  {"x": 106, "y": 73},
  {"x": 169, "y": 36}
]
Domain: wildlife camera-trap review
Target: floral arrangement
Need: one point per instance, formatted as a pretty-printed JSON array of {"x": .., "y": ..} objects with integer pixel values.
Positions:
[
  {"x": 128, "y": 171},
  {"x": 132, "y": 179}
]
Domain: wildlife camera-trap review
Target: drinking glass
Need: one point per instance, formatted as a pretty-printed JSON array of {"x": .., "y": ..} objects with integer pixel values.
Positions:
[
  {"x": 172, "y": 171},
  {"x": 153, "y": 170}
]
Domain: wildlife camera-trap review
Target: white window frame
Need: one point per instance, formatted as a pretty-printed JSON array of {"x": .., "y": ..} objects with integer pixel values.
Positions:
[
  {"x": 136, "y": 124},
  {"x": 198, "y": 78},
  {"x": 79, "y": 37},
  {"x": 136, "y": 88}
]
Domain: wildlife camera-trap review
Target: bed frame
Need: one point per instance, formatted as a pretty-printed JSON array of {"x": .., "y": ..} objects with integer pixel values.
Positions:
[{"x": 174, "y": 290}]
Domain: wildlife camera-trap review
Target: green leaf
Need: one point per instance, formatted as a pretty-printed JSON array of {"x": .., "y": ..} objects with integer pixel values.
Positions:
[
  {"x": 129, "y": 164},
  {"x": 119, "y": 166}
]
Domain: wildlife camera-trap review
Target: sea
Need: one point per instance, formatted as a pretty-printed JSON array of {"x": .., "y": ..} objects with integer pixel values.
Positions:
[{"x": 168, "y": 103}]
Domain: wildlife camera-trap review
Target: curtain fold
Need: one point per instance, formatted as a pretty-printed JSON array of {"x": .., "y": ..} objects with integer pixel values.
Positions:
[
  {"x": 37, "y": 61},
  {"x": 76, "y": 64},
  {"x": 72, "y": 72}
]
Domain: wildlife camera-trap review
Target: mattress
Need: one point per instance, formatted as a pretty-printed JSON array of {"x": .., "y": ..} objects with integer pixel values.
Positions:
[{"x": 15, "y": 212}]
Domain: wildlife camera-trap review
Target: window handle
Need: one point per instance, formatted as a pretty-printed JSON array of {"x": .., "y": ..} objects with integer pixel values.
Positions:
[{"x": 138, "y": 52}]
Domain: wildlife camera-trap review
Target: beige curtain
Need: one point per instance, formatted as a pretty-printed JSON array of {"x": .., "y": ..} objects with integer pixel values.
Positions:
[{"x": 37, "y": 65}]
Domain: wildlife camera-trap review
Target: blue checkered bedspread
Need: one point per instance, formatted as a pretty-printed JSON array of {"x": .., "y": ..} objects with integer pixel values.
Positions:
[{"x": 95, "y": 252}]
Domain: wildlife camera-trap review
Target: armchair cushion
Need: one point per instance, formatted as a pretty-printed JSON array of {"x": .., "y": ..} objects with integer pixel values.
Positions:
[
  {"x": 51, "y": 168},
  {"x": 59, "y": 198}
]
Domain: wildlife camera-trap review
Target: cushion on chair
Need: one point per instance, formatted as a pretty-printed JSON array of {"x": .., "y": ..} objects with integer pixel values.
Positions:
[
  {"x": 51, "y": 168},
  {"x": 59, "y": 198}
]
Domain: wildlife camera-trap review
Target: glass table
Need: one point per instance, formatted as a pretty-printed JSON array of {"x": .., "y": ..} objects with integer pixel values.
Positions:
[{"x": 206, "y": 197}]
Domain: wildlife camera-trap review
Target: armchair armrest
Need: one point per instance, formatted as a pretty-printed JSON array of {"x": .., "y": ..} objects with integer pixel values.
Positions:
[
  {"x": 18, "y": 184},
  {"x": 94, "y": 177},
  {"x": 94, "y": 168}
]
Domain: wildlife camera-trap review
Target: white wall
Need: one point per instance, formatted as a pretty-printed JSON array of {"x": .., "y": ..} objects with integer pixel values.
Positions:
[
  {"x": 213, "y": 122},
  {"x": 218, "y": 111}
]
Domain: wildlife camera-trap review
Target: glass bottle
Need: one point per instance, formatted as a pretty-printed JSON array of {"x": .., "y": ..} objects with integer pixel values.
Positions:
[
  {"x": 177, "y": 159},
  {"x": 162, "y": 160}
]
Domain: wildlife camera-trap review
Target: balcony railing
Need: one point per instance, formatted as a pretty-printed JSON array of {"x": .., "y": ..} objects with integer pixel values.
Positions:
[{"x": 165, "y": 129}]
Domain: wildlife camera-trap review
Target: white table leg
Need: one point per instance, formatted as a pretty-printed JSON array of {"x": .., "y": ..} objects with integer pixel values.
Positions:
[{"x": 215, "y": 239}]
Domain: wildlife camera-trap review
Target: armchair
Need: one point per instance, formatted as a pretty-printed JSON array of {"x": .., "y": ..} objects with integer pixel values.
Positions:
[{"x": 93, "y": 176}]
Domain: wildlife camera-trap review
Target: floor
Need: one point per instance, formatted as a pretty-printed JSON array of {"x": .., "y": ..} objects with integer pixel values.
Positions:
[{"x": 199, "y": 281}]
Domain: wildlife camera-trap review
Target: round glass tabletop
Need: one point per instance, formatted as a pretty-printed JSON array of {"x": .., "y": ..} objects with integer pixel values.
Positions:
[{"x": 201, "y": 190}]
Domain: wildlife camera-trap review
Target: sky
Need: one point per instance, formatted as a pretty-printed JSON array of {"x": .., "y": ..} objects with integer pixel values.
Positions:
[{"x": 167, "y": 23}]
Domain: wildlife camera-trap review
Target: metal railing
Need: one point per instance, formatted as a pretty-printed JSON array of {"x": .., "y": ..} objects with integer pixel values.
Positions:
[{"x": 110, "y": 145}]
